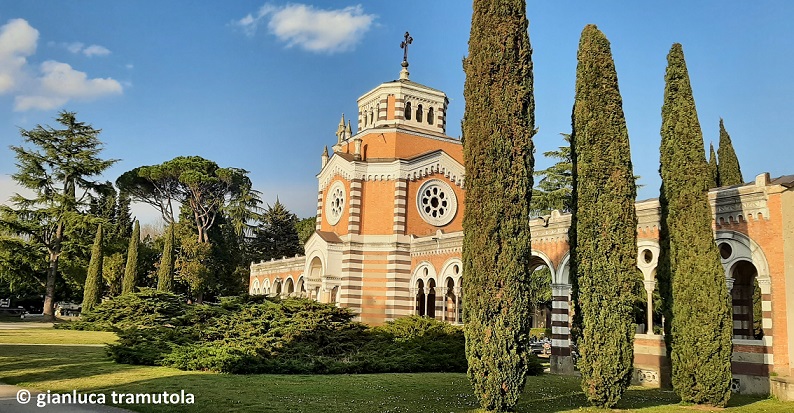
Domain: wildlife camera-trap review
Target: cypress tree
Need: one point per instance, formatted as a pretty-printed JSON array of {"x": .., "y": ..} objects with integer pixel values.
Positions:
[
  {"x": 93, "y": 281},
  {"x": 604, "y": 230},
  {"x": 698, "y": 322},
  {"x": 165, "y": 275},
  {"x": 498, "y": 127},
  {"x": 131, "y": 269},
  {"x": 714, "y": 174},
  {"x": 729, "y": 171}
]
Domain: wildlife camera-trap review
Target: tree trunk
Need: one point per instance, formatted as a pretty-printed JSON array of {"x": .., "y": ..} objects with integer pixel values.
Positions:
[
  {"x": 49, "y": 294},
  {"x": 52, "y": 273}
]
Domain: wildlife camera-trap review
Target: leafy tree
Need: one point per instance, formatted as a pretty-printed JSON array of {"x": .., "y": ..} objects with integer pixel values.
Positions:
[
  {"x": 92, "y": 294},
  {"x": 165, "y": 274},
  {"x": 698, "y": 320},
  {"x": 277, "y": 236},
  {"x": 729, "y": 171},
  {"x": 193, "y": 181},
  {"x": 714, "y": 174},
  {"x": 306, "y": 228},
  {"x": 553, "y": 190},
  {"x": 131, "y": 269},
  {"x": 603, "y": 234},
  {"x": 498, "y": 127},
  {"x": 242, "y": 210},
  {"x": 58, "y": 168}
]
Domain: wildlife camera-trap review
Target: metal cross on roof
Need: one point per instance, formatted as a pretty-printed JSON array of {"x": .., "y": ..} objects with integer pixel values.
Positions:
[{"x": 404, "y": 45}]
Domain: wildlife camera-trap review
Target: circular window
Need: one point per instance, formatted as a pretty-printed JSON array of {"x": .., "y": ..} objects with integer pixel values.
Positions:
[
  {"x": 725, "y": 250},
  {"x": 436, "y": 202},
  {"x": 647, "y": 256},
  {"x": 335, "y": 203}
]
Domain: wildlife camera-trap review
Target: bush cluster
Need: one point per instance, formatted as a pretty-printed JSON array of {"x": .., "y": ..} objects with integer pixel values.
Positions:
[{"x": 245, "y": 335}]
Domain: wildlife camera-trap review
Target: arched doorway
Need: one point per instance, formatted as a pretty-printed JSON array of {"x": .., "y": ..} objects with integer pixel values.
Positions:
[
  {"x": 431, "y": 298},
  {"x": 746, "y": 301},
  {"x": 420, "y": 297},
  {"x": 289, "y": 288}
]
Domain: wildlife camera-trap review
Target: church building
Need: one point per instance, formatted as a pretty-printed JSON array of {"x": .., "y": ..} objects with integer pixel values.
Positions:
[{"x": 389, "y": 233}]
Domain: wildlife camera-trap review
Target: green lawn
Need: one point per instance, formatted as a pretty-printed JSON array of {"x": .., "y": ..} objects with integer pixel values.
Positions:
[
  {"x": 87, "y": 369},
  {"x": 53, "y": 336}
]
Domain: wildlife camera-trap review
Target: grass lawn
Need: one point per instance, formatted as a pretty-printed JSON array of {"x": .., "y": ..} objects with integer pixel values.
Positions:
[
  {"x": 86, "y": 369},
  {"x": 53, "y": 336}
]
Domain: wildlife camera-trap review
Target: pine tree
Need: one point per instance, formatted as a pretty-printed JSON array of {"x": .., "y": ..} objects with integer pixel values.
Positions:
[
  {"x": 92, "y": 293},
  {"x": 604, "y": 228},
  {"x": 729, "y": 171},
  {"x": 165, "y": 274},
  {"x": 131, "y": 269},
  {"x": 278, "y": 235},
  {"x": 714, "y": 174},
  {"x": 58, "y": 166},
  {"x": 498, "y": 127},
  {"x": 553, "y": 190},
  {"x": 698, "y": 325}
]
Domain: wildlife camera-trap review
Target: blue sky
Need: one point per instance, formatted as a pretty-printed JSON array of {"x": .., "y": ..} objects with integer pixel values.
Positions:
[{"x": 261, "y": 85}]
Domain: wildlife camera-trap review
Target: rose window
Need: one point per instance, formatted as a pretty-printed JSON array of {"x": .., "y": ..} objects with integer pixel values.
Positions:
[
  {"x": 335, "y": 203},
  {"x": 436, "y": 202}
]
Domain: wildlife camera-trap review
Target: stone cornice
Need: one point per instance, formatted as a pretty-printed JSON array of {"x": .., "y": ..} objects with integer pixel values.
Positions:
[{"x": 436, "y": 162}]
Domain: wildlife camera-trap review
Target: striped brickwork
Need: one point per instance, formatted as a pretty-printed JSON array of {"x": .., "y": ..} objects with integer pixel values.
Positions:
[
  {"x": 399, "y": 302},
  {"x": 352, "y": 277},
  {"x": 400, "y": 200},
  {"x": 354, "y": 207}
]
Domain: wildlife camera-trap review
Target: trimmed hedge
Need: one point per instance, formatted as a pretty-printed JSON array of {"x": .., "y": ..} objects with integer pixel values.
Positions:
[{"x": 244, "y": 335}]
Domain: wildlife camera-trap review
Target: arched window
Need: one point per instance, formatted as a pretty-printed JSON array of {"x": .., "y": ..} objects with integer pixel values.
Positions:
[
  {"x": 365, "y": 120},
  {"x": 419, "y": 113},
  {"x": 746, "y": 299},
  {"x": 407, "y": 110},
  {"x": 430, "y": 116},
  {"x": 420, "y": 298},
  {"x": 431, "y": 298},
  {"x": 371, "y": 117}
]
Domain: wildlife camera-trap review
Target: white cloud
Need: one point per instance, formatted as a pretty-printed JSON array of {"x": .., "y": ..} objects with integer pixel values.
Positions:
[
  {"x": 90, "y": 51},
  {"x": 75, "y": 47},
  {"x": 96, "y": 50},
  {"x": 59, "y": 83},
  {"x": 8, "y": 187},
  {"x": 17, "y": 41},
  {"x": 309, "y": 28},
  {"x": 52, "y": 84}
]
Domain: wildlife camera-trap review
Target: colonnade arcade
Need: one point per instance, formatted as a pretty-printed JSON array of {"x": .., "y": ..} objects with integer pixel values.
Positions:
[{"x": 438, "y": 296}]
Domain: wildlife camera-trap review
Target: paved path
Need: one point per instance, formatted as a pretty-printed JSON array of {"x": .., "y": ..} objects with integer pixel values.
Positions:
[{"x": 9, "y": 403}]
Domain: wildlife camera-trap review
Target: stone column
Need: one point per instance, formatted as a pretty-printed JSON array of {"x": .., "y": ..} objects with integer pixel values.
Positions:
[
  {"x": 560, "y": 359},
  {"x": 650, "y": 285},
  {"x": 458, "y": 291},
  {"x": 413, "y": 291}
]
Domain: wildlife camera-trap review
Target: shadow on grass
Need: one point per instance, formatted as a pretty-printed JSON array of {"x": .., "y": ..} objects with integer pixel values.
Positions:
[
  {"x": 23, "y": 363},
  {"x": 365, "y": 393}
]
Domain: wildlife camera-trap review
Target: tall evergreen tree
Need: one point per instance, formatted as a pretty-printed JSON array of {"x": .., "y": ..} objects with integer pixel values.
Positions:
[
  {"x": 278, "y": 235},
  {"x": 58, "y": 168},
  {"x": 165, "y": 274},
  {"x": 698, "y": 322},
  {"x": 92, "y": 294},
  {"x": 729, "y": 171},
  {"x": 498, "y": 127},
  {"x": 603, "y": 233},
  {"x": 131, "y": 269},
  {"x": 714, "y": 174}
]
